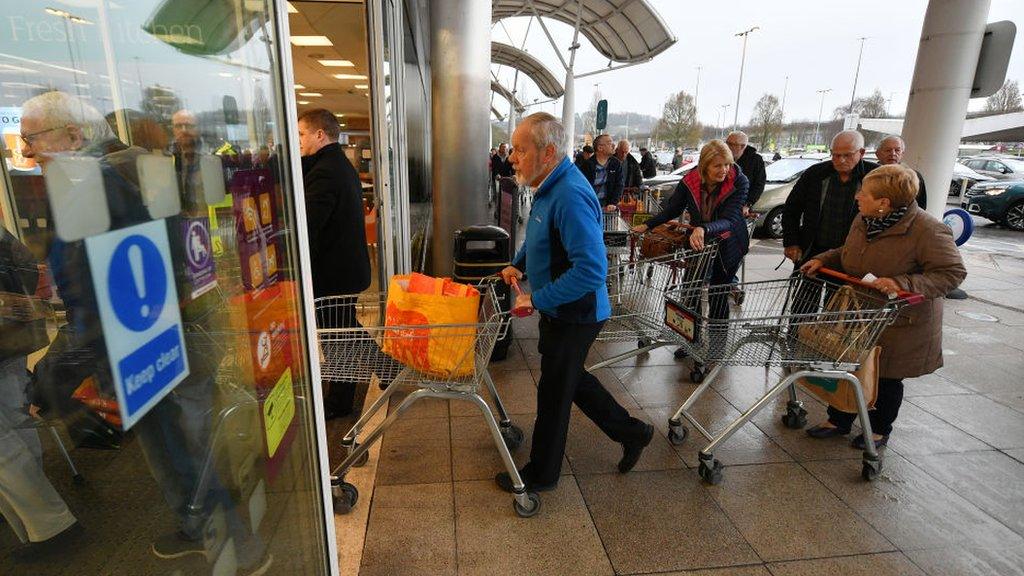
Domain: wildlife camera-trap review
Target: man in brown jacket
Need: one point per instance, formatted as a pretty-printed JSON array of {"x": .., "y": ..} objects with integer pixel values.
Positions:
[{"x": 904, "y": 249}]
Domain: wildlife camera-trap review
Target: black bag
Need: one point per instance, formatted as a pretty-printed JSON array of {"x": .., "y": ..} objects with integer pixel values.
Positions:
[{"x": 22, "y": 315}]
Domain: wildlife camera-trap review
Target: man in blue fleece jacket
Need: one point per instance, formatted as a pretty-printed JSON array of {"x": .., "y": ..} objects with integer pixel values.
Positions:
[{"x": 565, "y": 259}]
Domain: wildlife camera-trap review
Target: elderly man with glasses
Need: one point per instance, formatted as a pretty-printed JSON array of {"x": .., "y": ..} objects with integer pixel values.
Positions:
[{"x": 821, "y": 207}]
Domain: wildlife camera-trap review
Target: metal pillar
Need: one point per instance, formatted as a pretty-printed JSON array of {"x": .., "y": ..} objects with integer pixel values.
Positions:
[
  {"x": 943, "y": 76},
  {"x": 569, "y": 112},
  {"x": 460, "y": 37}
]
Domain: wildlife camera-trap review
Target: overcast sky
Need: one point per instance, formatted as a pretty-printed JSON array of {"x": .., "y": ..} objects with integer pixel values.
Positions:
[{"x": 813, "y": 42}]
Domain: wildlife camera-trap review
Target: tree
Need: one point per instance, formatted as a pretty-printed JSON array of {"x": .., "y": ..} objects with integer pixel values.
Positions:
[
  {"x": 1006, "y": 99},
  {"x": 767, "y": 119},
  {"x": 867, "y": 107},
  {"x": 678, "y": 125}
]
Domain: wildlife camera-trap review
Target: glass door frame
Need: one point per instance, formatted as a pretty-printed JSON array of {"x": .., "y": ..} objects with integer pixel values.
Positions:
[{"x": 283, "y": 84}]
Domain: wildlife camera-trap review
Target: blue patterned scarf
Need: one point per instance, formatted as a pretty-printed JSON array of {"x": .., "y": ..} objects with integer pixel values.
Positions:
[{"x": 876, "y": 226}]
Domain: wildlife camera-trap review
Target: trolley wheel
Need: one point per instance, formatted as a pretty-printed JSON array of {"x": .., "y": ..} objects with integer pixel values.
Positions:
[
  {"x": 795, "y": 417},
  {"x": 677, "y": 434},
  {"x": 530, "y": 509},
  {"x": 870, "y": 470},
  {"x": 78, "y": 479},
  {"x": 680, "y": 353},
  {"x": 361, "y": 461},
  {"x": 711, "y": 474},
  {"x": 643, "y": 342},
  {"x": 513, "y": 436},
  {"x": 697, "y": 375},
  {"x": 343, "y": 496}
]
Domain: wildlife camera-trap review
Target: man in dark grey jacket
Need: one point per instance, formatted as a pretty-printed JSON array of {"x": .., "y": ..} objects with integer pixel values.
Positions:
[{"x": 605, "y": 173}]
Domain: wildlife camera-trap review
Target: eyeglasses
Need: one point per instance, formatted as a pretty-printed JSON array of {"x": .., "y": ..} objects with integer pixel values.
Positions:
[
  {"x": 845, "y": 155},
  {"x": 27, "y": 138}
]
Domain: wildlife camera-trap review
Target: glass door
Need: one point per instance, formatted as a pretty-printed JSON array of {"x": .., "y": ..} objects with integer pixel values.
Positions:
[{"x": 156, "y": 408}]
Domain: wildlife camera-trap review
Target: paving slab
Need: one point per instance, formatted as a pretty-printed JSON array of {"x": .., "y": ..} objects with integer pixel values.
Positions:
[
  {"x": 912, "y": 509},
  {"x": 661, "y": 521},
  {"x": 517, "y": 390},
  {"x": 561, "y": 540},
  {"x": 981, "y": 417},
  {"x": 919, "y": 432},
  {"x": 931, "y": 385},
  {"x": 590, "y": 451},
  {"x": 990, "y": 480},
  {"x": 416, "y": 451},
  {"x": 474, "y": 455},
  {"x": 889, "y": 563},
  {"x": 656, "y": 385},
  {"x": 411, "y": 531},
  {"x": 758, "y": 570},
  {"x": 761, "y": 500},
  {"x": 961, "y": 561}
]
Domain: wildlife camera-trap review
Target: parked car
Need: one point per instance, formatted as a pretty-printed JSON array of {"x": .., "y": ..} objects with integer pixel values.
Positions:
[
  {"x": 999, "y": 200},
  {"x": 667, "y": 183},
  {"x": 780, "y": 177},
  {"x": 961, "y": 173},
  {"x": 998, "y": 167}
]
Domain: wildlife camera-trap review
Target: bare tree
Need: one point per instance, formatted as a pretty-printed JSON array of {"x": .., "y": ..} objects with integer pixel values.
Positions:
[
  {"x": 1006, "y": 99},
  {"x": 867, "y": 107},
  {"x": 678, "y": 125},
  {"x": 767, "y": 119}
]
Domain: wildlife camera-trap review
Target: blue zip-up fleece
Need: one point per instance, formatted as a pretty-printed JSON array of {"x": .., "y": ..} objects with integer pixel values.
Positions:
[{"x": 564, "y": 253}]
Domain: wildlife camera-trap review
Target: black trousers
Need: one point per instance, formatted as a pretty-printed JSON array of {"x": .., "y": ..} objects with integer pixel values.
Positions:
[
  {"x": 887, "y": 408},
  {"x": 339, "y": 396},
  {"x": 564, "y": 381}
]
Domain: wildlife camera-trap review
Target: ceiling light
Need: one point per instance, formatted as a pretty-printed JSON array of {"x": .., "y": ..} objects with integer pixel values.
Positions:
[
  {"x": 339, "y": 115},
  {"x": 303, "y": 101},
  {"x": 225, "y": 74},
  {"x": 342, "y": 124},
  {"x": 299, "y": 86},
  {"x": 311, "y": 94},
  {"x": 341, "y": 63},
  {"x": 292, "y": 9},
  {"x": 350, "y": 76},
  {"x": 362, "y": 86},
  {"x": 311, "y": 41}
]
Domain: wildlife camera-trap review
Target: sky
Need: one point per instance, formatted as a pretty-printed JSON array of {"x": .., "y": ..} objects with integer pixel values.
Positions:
[{"x": 814, "y": 43}]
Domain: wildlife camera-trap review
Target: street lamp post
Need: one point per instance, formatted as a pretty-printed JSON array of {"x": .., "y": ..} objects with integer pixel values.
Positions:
[
  {"x": 856, "y": 75},
  {"x": 739, "y": 86},
  {"x": 821, "y": 106},
  {"x": 696, "y": 91},
  {"x": 69, "y": 19},
  {"x": 725, "y": 118}
]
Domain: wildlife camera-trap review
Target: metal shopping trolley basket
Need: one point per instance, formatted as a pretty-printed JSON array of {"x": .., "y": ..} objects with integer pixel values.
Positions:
[
  {"x": 354, "y": 355},
  {"x": 820, "y": 327},
  {"x": 637, "y": 291}
]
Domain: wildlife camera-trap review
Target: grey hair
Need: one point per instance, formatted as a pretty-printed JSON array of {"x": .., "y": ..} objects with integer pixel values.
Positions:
[
  {"x": 892, "y": 137},
  {"x": 58, "y": 109},
  {"x": 858, "y": 138},
  {"x": 739, "y": 133},
  {"x": 546, "y": 129}
]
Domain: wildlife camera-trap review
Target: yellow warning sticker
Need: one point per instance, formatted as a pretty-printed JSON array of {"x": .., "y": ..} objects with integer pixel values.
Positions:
[{"x": 278, "y": 411}]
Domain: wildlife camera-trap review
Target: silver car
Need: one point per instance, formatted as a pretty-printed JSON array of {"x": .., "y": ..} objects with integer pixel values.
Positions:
[{"x": 780, "y": 177}]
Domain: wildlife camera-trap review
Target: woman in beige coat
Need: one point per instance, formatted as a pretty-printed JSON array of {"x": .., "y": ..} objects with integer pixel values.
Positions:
[{"x": 904, "y": 248}]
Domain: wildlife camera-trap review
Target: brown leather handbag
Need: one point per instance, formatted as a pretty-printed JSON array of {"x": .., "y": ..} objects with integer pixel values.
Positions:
[{"x": 665, "y": 239}]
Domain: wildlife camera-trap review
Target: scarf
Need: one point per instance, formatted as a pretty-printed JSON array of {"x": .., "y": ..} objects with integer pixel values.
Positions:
[{"x": 876, "y": 226}]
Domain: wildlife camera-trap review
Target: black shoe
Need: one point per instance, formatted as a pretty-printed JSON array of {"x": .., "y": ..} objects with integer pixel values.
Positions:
[
  {"x": 176, "y": 545},
  {"x": 680, "y": 353},
  {"x": 504, "y": 481},
  {"x": 820, "y": 432},
  {"x": 631, "y": 451},
  {"x": 858, "y": 442}
]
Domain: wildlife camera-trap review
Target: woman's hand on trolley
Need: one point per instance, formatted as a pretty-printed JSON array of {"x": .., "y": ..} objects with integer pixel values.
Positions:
[
  {"x": 510, "y": 272},
  {"x": 887, "y": 286},
  {"x": 697, "y": 238},
  {"x": 810, "y": 268}
]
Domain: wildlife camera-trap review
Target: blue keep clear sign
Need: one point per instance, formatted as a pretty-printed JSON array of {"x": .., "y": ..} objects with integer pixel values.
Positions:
[{"x": 138, "y": 305}]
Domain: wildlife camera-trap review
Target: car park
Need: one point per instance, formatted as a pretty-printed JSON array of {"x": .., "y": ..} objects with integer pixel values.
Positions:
[
  {"x": 666, "y": 183},
  {"x": 780, "y": 177},
  {"x": 1000, "y": 200},
  {"x": 998, "y": 167}
]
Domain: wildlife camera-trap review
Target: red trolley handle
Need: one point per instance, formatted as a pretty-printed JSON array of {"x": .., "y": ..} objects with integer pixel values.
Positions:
[
  {"x": 910, "y": 298},
  {"x": 520, "y": 311}
]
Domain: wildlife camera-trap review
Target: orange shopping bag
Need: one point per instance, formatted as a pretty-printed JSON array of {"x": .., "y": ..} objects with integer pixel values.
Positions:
[{"x": 416, "y": 305}]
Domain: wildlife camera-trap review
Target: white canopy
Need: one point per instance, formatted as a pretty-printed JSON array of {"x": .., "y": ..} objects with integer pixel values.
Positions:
[{"x": 521, "y": 60}]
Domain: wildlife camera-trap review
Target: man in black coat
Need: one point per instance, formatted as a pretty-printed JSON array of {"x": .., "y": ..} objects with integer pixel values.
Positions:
[
  {"x": 751, "y": 163},
  {"x": 631, "y": 166},
  {"x": 648, "y": 165},
  {"x": 337, "y": 234},
  {"x": 604, "y": 172},
  {"x": 820, "y": 209}
]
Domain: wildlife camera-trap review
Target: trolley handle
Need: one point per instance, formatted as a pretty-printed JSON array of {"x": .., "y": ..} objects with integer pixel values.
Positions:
[
  {"x": 520, "y": 311},
  {"x": 910, "y": 298}
]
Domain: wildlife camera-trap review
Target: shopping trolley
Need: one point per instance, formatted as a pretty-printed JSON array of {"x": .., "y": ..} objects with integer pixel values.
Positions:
[
  {"x": 637, "y": 291},
  {"x": 737, "y": 293},
  {"x": 354, "y": 355},
  {"x": 616, "y": 235},
  {"x": 790, "y": 323}
]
